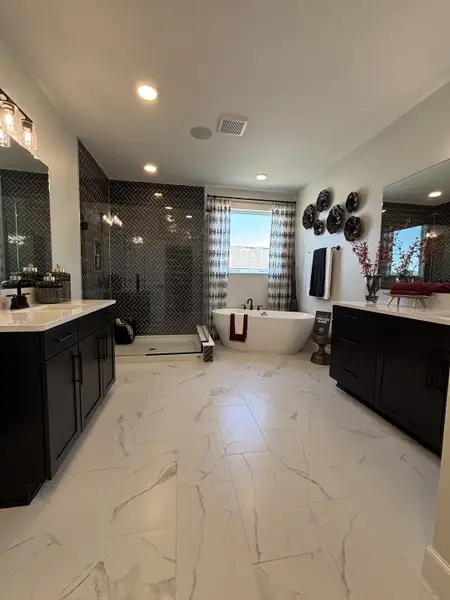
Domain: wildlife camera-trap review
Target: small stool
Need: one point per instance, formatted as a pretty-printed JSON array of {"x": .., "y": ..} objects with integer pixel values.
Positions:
[{"x": 321, "y": 356}]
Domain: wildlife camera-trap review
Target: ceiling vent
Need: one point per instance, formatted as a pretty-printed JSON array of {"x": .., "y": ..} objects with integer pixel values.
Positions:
[{"x": 231, "y": 125}]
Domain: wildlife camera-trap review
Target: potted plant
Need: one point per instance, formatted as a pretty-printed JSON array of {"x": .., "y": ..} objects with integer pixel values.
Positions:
[{"x": 372, "y": 270}]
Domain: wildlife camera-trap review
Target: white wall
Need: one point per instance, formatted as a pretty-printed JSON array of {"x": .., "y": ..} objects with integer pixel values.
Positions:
[
  {"x": 58, "y": 150},
  {"x": 242, "y": 286},
  {"x": 417, "y": 140}
]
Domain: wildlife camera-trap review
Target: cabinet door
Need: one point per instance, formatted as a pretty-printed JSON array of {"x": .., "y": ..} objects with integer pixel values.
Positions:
[
  {"x": 402, "y": 379},
  {"x": 413, "y": 388},
  {"x": 90, "y": 375},
  {"x": 431, "y": 412},
  {"x": 109, "y": 357},
  {"x": 64, "y": 426}
]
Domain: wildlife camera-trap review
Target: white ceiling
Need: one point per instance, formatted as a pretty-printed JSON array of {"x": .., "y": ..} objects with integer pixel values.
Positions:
[
  {"x": 315, "y": 78},
  {"x": 415, "y": 189}
]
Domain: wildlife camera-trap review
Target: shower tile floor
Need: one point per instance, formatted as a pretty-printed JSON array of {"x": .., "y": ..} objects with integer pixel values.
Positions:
[
  {"x": 152, "y": 345},
  {"x": 251, "y": 478}
]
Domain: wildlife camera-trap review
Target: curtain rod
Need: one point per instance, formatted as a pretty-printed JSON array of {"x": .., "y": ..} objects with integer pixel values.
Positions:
[{"x": 249, "y": 199}]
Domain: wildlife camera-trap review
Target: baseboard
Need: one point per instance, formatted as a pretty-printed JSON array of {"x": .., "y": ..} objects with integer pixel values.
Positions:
[{"x": 436, "y": 571}]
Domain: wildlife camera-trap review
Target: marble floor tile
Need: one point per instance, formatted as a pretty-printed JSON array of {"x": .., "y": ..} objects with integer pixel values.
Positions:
[
  {"x": 213, "y": 560},
  {"x": 312, "y": 576},
  {"x": 184, "y": 417},
  {"x": 274, "y": 505},
  {"x": 269, "y": 414},
  {"x": 368, "y": 564},
  {"x": 200, "y": 459},
  {"x": 252, "y": 477},
  {"x": 239, "y": 430},
  {"x": 224, "y": 396}
]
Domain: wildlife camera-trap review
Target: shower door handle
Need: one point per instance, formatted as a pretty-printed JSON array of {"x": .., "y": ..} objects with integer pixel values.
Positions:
[{"x": 138, "y": 282}]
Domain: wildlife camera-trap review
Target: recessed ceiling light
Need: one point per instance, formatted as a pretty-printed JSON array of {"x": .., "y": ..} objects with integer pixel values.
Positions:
[
  {"x": 147, "y": 92},
  {"x": 169, "y": 207},
  {"x": 188, "y": 216},
  {"x": 435, "y": 194},
  {"x": 151, "y": 168},
  {"x": 261, "y": 176},
  {"x": 157, "y": 195}
]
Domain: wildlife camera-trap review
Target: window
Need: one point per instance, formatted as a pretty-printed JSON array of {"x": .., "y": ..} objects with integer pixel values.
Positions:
[
  {"x": 405, "y": 237},
  {"x": 250, "y": 241}
]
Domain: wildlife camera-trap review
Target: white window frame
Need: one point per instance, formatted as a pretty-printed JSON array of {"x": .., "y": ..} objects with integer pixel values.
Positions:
[{"x": 254, "y": 211}]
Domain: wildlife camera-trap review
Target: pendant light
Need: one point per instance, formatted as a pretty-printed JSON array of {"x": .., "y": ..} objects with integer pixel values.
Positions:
[
  {"x": 5, "y": 140},
  {"x": 16, "y": 124},
  {"x": 8, "y": 117},
  {"x": 28, "y": 136}
]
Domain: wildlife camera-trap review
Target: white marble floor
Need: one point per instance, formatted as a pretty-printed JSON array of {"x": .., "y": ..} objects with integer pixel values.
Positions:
[{"x": 252, "y": 478}]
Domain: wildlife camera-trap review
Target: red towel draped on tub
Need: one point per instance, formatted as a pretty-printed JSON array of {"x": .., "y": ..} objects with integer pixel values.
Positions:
[{"x": 238, "y": 337}]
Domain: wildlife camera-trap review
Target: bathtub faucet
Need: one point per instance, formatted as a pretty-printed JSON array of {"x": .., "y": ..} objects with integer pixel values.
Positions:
[{"x": 251, "y": 303}]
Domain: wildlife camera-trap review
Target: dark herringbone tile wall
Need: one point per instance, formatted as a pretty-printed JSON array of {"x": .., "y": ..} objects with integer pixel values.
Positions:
[
  {"x": 26, "y": 220},
  {"x": 153, "y": 265},
  {"x": 94, "y": 231},
  {"x": 157, "y": 256}
]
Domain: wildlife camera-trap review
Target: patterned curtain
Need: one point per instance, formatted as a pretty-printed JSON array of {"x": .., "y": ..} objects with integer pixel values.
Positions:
[
  {"x": 282, "y": 292},
  {"x": 218, "y": 222}
]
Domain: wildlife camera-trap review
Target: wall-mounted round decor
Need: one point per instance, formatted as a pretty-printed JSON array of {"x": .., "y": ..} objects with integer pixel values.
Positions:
[
  {"x": 335, "y": 219},
  {"x": 309, "y": 216},
  {"x": 352, "y": 229},
  {"x": 352, "y": 202},
  {"x": 323, "y": 200},
  {"x": 319, "y": 227}
]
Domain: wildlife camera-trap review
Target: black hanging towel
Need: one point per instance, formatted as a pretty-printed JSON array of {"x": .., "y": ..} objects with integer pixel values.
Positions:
[{"x": 318, "y": 272}]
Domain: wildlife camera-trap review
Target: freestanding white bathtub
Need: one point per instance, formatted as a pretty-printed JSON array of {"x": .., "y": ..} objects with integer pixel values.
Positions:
[{"x": 268, "y": 330}]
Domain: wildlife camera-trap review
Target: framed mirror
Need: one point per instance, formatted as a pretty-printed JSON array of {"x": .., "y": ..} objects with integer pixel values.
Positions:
[
  {"x": 25, "y": 232},
  {"x": 415, "y": 227}
]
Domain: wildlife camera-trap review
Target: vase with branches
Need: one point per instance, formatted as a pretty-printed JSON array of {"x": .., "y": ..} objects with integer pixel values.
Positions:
[{"x": 372, "y": 269}]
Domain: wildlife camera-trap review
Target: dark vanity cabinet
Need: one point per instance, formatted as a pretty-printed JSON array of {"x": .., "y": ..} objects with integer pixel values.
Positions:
[
  {"x": 396, "y": 365},
  {"x": 354, "y": 352},
  {"x": 52, "y": 382}
]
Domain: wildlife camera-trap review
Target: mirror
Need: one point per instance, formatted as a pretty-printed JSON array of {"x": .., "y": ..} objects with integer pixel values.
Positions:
[
  {"x": 415, "y": 227},
  {"x": 25, "y": 234}
]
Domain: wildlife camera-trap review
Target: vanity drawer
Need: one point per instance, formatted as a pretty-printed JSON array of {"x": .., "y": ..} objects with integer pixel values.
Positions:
[
  {"x": 353, "y": 324},
  {"x": 59, "y": 338},
  {"x": 89, "y": 324}
]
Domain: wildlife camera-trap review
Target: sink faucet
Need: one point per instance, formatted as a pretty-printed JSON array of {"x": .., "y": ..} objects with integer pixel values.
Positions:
[{"x": 251, "y": 303}]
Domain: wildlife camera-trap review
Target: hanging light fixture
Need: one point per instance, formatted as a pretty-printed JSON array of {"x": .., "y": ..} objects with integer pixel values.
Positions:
[
  {"x": 5, "y": 140},
  {"x": 28, "y": 136},
  {"x": 16, "y": 124},
  {"x": 8, "y": 117}
]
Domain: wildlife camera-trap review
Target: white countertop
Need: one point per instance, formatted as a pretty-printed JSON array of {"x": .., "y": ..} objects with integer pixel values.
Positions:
[
  {"x": 419, "y": 314},
  {"x": 41, "y": 317}
]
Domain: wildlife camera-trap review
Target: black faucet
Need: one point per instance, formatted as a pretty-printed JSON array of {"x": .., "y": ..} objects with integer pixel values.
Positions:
[
  {"x": 251, "y": 303},
  {"x": 19, "y": 300},
  {"x": 260, "y": 307}
]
